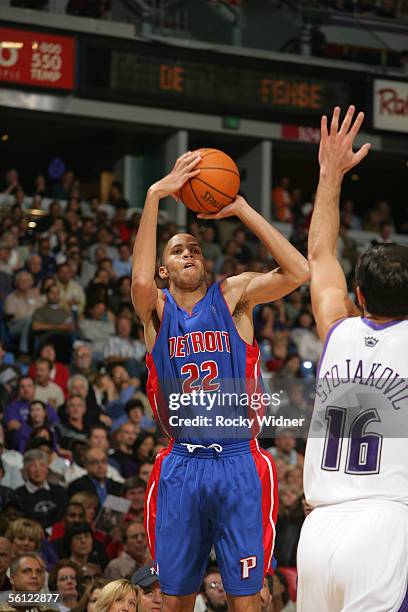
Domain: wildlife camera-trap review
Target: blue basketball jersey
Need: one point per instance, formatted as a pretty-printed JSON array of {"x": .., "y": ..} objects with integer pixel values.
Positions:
[{"x": 202, "y": 374}]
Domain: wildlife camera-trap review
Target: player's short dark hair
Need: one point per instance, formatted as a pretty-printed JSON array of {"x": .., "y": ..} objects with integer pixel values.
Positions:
[{"x": 382, "y": 275}]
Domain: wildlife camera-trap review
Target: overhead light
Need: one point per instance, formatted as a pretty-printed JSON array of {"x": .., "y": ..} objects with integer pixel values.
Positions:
[
  {"x": 355, "y": 177},
  {"x": 5, "y": 137},
  {"x": 32, "y": 224}
]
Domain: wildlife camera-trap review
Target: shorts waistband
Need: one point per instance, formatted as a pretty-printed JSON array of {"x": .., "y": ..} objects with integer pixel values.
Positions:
[{"x": 214, "y": 450}]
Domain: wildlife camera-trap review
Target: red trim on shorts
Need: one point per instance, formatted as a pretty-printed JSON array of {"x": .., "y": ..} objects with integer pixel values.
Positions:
[
  {"x": 270, "y": 502},
  {"x": 150, "y": 504}
]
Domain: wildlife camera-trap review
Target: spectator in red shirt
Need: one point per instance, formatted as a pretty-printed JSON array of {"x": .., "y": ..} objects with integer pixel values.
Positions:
[{"x": 59, "y": 373}]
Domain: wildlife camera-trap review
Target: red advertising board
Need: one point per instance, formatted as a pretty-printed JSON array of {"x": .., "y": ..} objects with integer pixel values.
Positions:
[{"x": 37, "y": 59}]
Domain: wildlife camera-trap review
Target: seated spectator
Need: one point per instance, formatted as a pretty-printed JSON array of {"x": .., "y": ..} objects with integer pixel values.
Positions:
[
  {"x": 305, "y": 337},
  {"x": 39, "y": 500},
  {"x": 16, "y": 413},
  {"x": 123, "y": 455},
  {"x": 144, "y": 446},
  {"x": 59, "y": 372},
  {"x": 5, "y": 257},
  {"x": 79, "y": 385},
  {"x": 27, "y": 574},
  {"x": 145, "y": 469},
  {"x": 79, "y": 546},
  {"x": 54, "y": 213},
  {"x": 65, "y": 579},
  {"x": 34, "y": 266},
  {"x": 96, "y": 480},
  {"x": 73, "y": 426},
  {"x": 5, "y": 560},
  {"x": 96, "y": 328},
  {"x": 71, "y": 292},
  {"x": 123, "y": 349},
  {"x": 98, "y": 438},
  {"x": 76, "y": 469},
  {"x": 37, "y": 418},
  {"x": 123, "y": 265},
  {"x": 135, "y": 489},
  {"x": 46, "y": 390},
  {"x": 281, "y": 597},
  {"x": 285, "y": 448},
  {"x": 82, "y": 361},
  {"x": 290, "y": 520},
  {"x": 281, "y": 200},
  {"x": 19, "y": 307},
  {"x": 151, "y": 596},
  {"x": 104, "y": 238},
  {"x": 209, "y": 246},
  {"x": 121, "y": 296},
  {"x": 90, "y": 596},
  {"x": 134, "y": 410},
  {"x": 133, "y": 555},
  {"x": 243, "y": 251},
  {"x": 128, "y": 593},
  {"x": 51, "y": 319},
  {"x": 212, "y": 591},
  {"x": 74, "y": 512},
  {"x": 48, "y": 263},
  {"x": 27, "y": 536}
]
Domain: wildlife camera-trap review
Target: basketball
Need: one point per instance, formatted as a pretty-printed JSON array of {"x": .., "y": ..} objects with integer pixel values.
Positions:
[{"x": 215, "y": 186}]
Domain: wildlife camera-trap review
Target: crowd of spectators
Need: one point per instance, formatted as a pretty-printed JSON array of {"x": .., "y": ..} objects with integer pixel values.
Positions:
[{"x": 76, "y": 423}]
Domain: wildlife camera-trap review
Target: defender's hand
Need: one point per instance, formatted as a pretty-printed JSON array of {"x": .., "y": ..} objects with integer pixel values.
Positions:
[
  {"x": 231, "y": 210},
  {"x": 336, "y": 153},
  {"x": 184, "y": 169}
]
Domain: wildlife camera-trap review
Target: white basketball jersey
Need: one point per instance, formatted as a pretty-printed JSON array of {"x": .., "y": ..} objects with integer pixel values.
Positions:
[{"x": 358, "y": 438}]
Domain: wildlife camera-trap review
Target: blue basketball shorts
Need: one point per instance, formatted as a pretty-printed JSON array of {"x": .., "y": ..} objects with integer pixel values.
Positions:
[{"x": 200, "y": 497}]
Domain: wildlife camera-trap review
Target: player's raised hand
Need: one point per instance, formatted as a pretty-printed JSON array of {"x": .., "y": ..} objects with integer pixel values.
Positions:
[
  {"x": 231, "y": 210},
  {"x": 336, "y": 146},
  {"x": 184, "y": 169}
]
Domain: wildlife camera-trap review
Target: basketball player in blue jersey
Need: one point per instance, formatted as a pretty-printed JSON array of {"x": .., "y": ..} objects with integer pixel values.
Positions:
[
  {"x": 205, "y": 491},
  {"x": 353, "y": 549}
]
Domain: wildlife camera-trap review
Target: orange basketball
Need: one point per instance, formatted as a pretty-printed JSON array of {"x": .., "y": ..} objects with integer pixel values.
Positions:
[{"x": 215, "y": 186}]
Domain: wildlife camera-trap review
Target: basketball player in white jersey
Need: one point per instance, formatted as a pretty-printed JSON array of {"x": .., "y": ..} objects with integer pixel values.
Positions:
[{"x": 353, "y": 549}]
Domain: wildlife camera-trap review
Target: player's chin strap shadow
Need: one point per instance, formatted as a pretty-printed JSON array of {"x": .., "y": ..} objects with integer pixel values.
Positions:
[{"x": 193, "y": 447}]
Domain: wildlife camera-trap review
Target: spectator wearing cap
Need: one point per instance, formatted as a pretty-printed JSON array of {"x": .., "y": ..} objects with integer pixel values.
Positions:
[
  {"x": 148, "y": 580},
  {"x": 39, "y": 500},
  {"x": 123, "y": 349},
  {"x": 46, "y": 390},
  {"x": 123, "y": 455},
  {"x": 17, "y": 412},
  {"x": 52, "y": 318},
  {"x": 59, "y": 372},
  {"x": 133, "y": 555},
  {"x": 72, "y": 294},
  {"x": 19, "y": 307},
  {"x": 96, "y": 480}
]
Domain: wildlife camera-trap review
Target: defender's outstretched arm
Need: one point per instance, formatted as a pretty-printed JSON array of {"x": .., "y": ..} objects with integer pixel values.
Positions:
[{"x": 330, "y": 300}]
